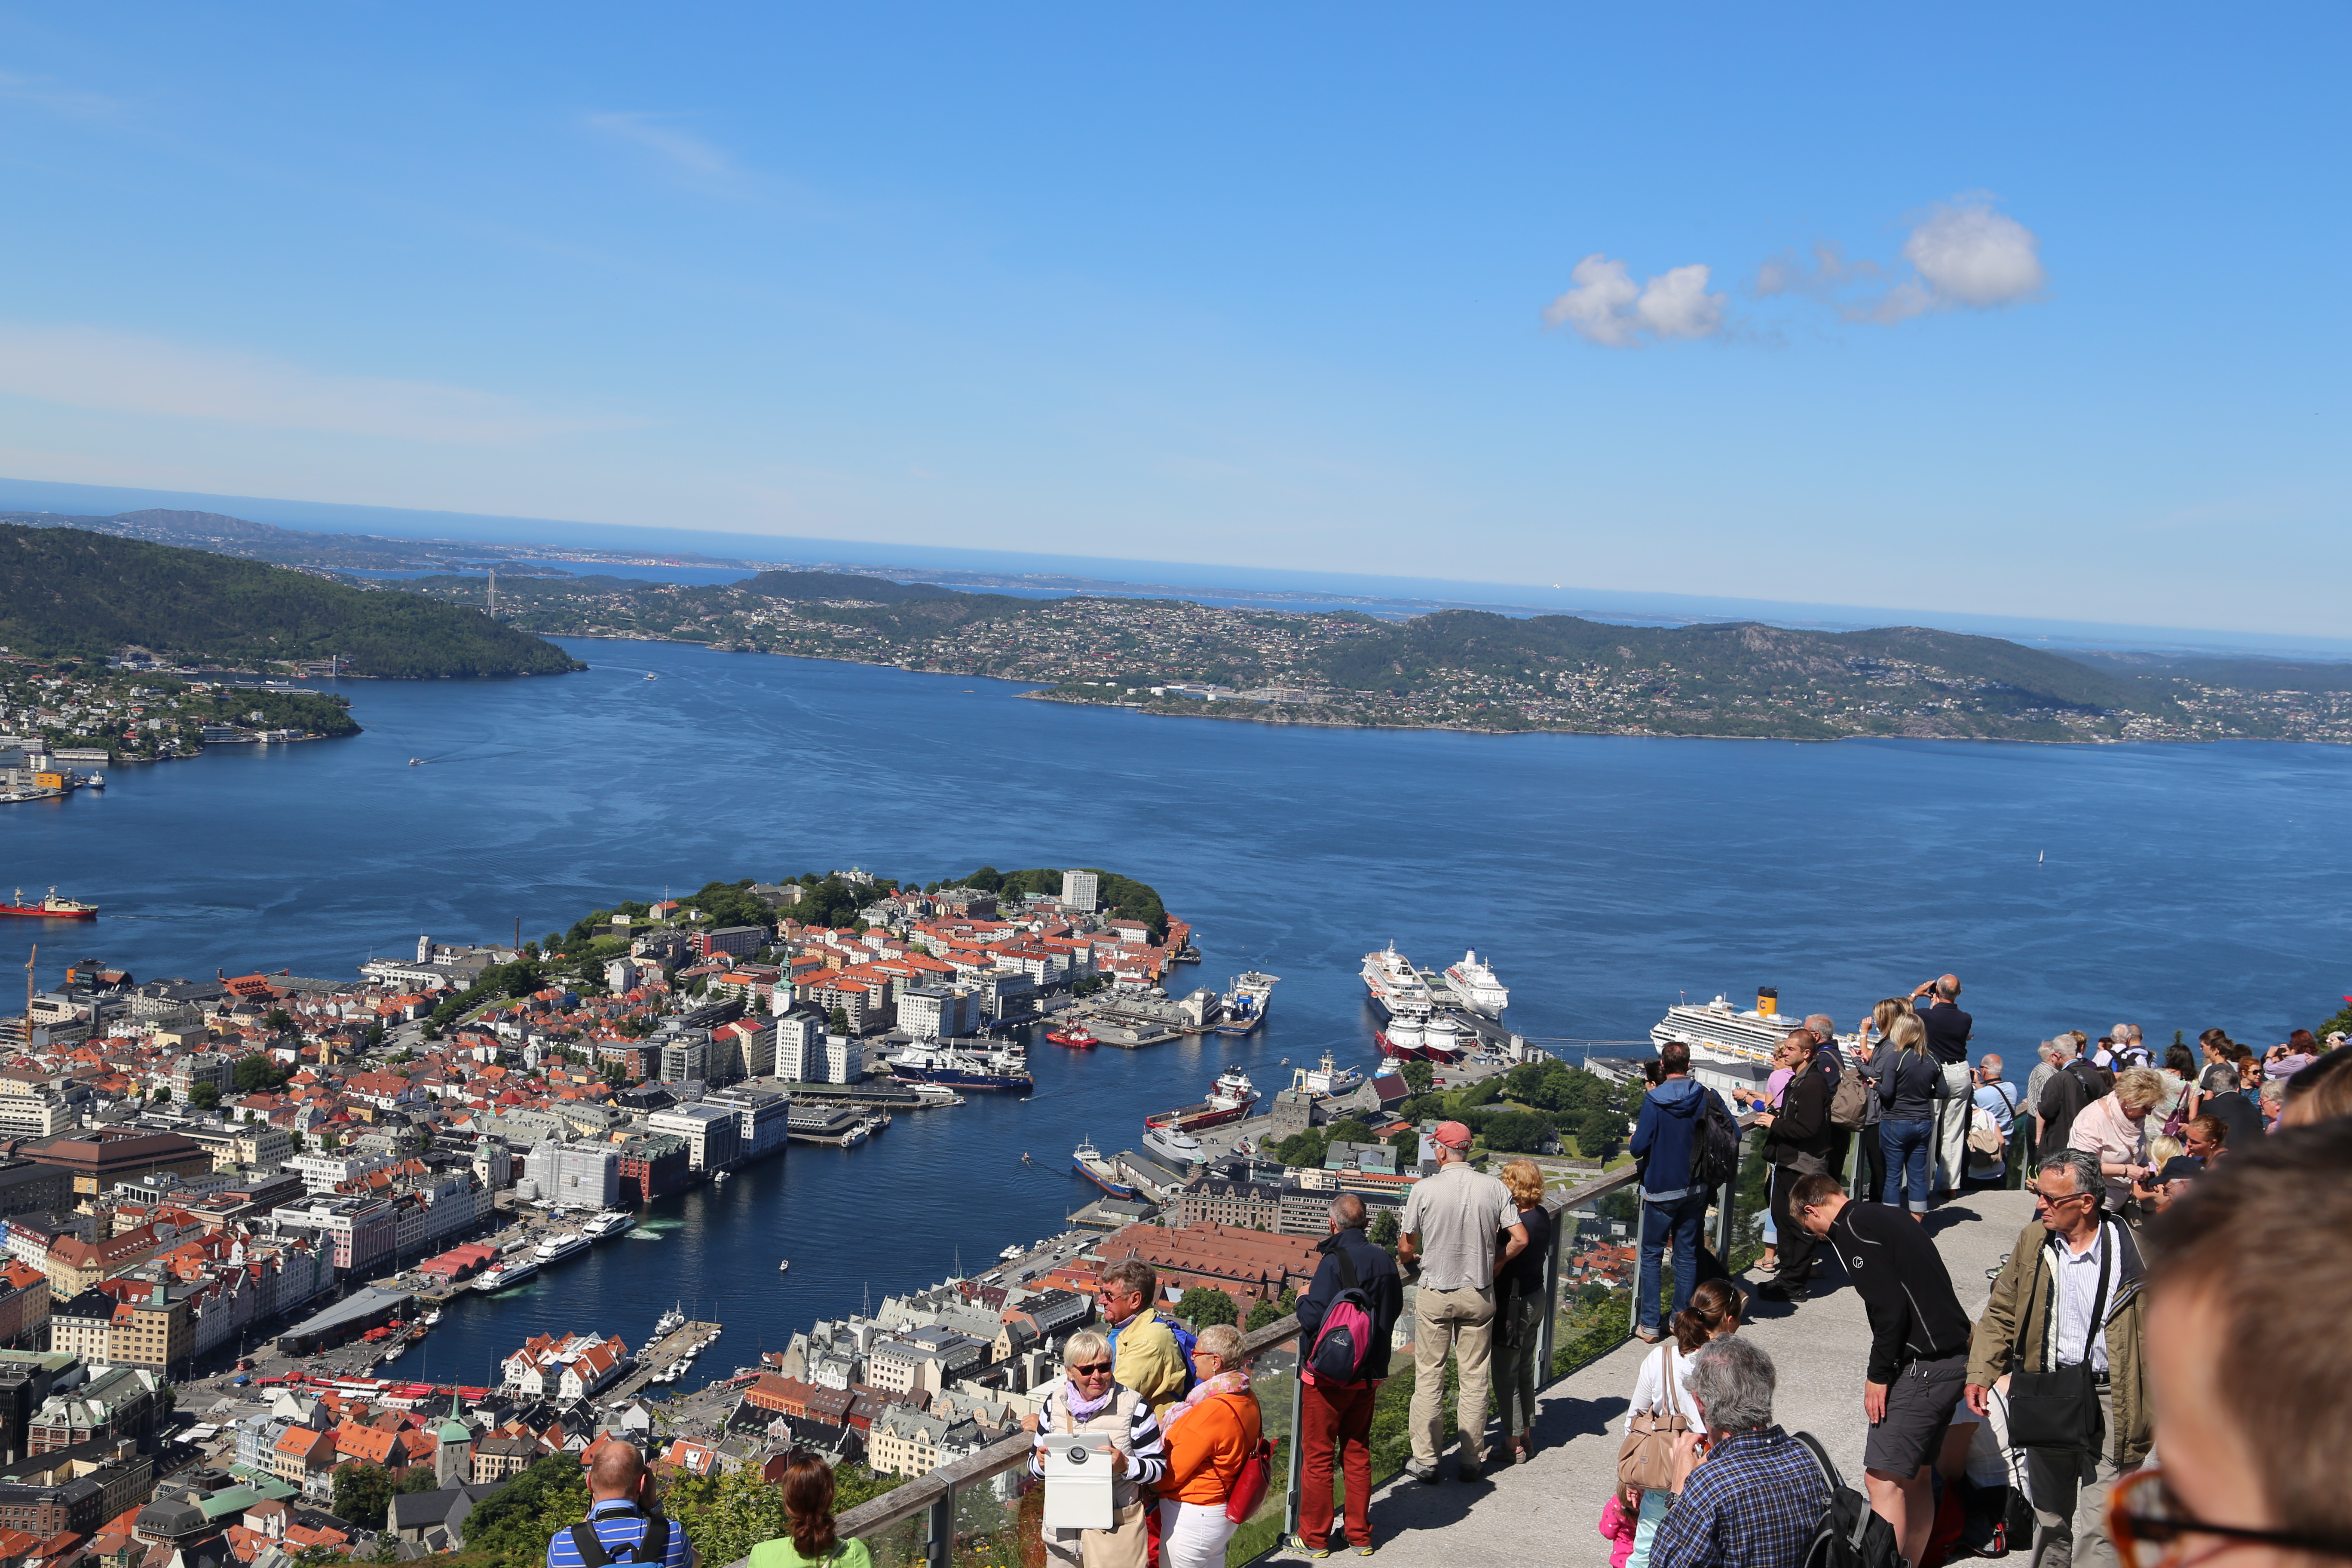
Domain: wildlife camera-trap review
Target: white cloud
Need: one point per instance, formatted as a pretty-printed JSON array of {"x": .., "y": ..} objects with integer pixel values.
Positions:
[
  {"x": 1963, "y": 255},
  {"x": 1603, "y": 304},
  {"x": 702, "y": 164},
  {"x": 85, "y": 368}
]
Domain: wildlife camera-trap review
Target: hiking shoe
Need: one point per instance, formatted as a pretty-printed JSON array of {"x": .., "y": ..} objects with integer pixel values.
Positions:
[
  {"x": 1363, "y": 1550},
  {"x": 1421, "y": 1471},
  {"x": 1467, "y": 1472},
  {"x": 1773, "y": 1291},
  {"x": 1299, "y": 1548}
]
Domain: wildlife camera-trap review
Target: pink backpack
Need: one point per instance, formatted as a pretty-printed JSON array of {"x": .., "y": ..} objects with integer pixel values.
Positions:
[{"x": 1345, "y": 1336}]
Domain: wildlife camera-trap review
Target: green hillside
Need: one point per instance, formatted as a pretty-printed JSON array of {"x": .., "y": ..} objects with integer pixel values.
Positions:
[{"x": 69, "y": 591}]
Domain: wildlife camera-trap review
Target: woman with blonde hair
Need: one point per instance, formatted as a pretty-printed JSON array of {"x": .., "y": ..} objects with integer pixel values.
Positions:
[
  {"x": 1907, "y": 1080},
  {"x": 2115, "y": 1128},
  {"x": 1087, "y": 1398},
  {"x": 1870, "y": 1043},
  {"x": 1520, "y": 1300}
]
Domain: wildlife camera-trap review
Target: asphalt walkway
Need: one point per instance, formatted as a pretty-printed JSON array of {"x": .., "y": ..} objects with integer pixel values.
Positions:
[{"x": 1547, "y": 1511}]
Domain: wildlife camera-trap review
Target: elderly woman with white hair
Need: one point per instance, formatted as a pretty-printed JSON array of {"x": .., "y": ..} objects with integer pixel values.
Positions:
[{"x": 1087, "y": 1398}]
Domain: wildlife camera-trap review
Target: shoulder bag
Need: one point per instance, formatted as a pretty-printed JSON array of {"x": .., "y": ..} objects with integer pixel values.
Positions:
[
  {"x": 1646, "y": 1458},
  {"x": 2059, "y": 1407}
]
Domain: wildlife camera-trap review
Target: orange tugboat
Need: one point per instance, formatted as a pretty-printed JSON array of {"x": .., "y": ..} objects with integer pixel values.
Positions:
[
  {"x": 1075, "y": 1035},
  {"x": 52, "y": 908}
]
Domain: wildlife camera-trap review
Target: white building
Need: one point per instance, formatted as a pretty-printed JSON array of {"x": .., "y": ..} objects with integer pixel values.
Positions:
[
  {"x": 800, "y": 1048},
  {"x": 935, "y": 1012},
  {"x": 1079, "y": 890},
  {"x": 709, "y": 1131},
  {"x": 586, "y": 1175},
  {"x": 761, "y": 1116}
]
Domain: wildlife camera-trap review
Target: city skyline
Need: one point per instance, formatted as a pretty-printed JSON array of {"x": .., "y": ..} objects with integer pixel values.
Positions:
[{"x": 1868, "y": 313}]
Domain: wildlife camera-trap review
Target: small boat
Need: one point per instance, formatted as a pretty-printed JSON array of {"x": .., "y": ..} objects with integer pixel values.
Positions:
[
  {"x": 416, "y": 762},
  {"x": 651, "y": 676},
  {"x": 1074, "y": 1035},
  {"x": 95, "y": 781},
  {"x": 432, "y": 1317},
  {"x": 1010, "y": 1254},
  {"x": 718, "y": 1175},
  {"x": 783, "y": 1266}
]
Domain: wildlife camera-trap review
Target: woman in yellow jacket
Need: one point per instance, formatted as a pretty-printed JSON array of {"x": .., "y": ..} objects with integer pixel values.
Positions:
[{"x": 1209, "y": 1436}]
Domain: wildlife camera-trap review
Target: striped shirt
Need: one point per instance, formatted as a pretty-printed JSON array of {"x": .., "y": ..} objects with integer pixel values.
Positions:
[
  {"x": 1146, "y": 1450},
  {"x": 619, "y": 1523}
]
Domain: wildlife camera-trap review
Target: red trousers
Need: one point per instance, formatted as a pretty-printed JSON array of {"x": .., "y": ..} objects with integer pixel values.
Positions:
[{"x": 1334, "y": 1421}]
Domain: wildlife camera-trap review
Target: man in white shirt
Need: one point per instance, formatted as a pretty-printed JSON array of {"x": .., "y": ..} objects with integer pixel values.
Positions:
[{"x": 1450, "y": 1223}]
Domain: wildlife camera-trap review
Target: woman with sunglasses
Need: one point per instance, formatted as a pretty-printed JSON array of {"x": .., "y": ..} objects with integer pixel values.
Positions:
[{"x": 1087, "y": 1398}]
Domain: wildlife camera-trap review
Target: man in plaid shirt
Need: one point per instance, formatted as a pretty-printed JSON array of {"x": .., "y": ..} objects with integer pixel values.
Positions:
[{"x": 1756, "y": 1497}]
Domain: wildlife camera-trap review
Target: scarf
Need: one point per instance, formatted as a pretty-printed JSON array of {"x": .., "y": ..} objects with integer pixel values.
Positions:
[
  {"x": 1237, "y": 1381},
  {"x": 1083, "y": 1410}
]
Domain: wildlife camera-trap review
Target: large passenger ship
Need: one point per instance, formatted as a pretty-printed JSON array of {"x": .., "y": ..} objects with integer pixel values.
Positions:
[
  {"x": 1719, "y": 1032},
  {"x": 1394, "y": 982}
]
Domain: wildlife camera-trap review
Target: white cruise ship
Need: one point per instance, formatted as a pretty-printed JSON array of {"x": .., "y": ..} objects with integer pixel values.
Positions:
[
  {"x": 1718, "y": 1032},
  {"x": 1473, "y": 981},
  {"x": 1389, "y": 976}
]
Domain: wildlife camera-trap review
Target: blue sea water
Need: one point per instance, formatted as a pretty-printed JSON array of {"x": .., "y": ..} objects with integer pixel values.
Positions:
[{"x": 2184, "y": 886}]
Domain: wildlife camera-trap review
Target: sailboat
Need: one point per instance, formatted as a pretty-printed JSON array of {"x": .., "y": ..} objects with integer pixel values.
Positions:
[{"x": 2040, "y": 856}]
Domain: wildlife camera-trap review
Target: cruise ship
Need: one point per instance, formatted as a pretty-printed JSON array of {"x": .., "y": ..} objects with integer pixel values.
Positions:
[
  {"x": 1247, "y": 1002},
  {"x": 1719, "y": 1032},
  {"x": 557, "y": 1248},
  {"x": 1230, "y": 1099},
  {"x": 990, "y": 1070},
  {"x": 1394, "y": 982},
  {"x": 1088, "y": 1162},
  {"x": 1473, "y": 981}
]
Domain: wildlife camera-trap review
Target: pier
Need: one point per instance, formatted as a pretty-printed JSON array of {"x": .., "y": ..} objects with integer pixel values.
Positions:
[{"x": 672, "y": 1346}]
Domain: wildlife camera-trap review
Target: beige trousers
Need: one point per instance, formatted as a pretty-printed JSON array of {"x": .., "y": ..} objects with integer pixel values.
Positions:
[{"x": 1462, "y": 1322}]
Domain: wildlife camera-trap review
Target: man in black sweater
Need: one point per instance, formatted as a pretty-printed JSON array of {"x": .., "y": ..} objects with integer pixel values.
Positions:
[
  {"x": 1918, "y": 1347},
  {"x": 1797, "y": 1139}
]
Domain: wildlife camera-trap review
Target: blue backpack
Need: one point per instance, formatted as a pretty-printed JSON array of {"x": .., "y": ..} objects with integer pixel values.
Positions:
[{"x": 1185, "y": 1340}]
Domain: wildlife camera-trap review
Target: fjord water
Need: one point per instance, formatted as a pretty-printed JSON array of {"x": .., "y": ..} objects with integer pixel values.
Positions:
[{"x": 2184, "y": 886}]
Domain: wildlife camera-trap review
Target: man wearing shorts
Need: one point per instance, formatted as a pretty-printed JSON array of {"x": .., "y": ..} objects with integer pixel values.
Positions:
[{"x": 1919, "y": 1348}]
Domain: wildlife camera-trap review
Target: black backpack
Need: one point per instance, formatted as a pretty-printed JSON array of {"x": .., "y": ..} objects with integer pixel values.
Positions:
[
  {"x": 1850, "y": 1534},
  {"x": 652, "y": 1547},
  {"x": 1715, "y": 1147}
]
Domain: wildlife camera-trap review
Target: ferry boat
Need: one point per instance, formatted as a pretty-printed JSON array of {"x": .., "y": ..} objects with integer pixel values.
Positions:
[
  {"x": 994, "y": 1069},
  {"x": 1074, "y": 1035},
  {"x": 1230, "y": 1099},
  {"x": 1247, "y": 1002},
  {"x": 1392, "y": 980},
  {"x": 1177, "y": 1148},
  {"x": 506, "y": 1276},
  {"x": 556, "y": 1249},
  {"x": 52, "y": 908},
  {"x": 1087, "y": 1161},
  {"x": 611, "y": 1223},
  {"x": 1721, "y": 1033},
  {"x": 1475, "y": 983},
  {"x": 1327, "y": 1078}
]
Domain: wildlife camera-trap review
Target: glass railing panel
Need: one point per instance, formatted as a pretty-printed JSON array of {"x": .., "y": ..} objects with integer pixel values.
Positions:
[
  {"x": 1274, "y": 1378},
  {"x": 900, "y": 1545},
  {"x": 1744, "y": 1240},
  {"x": 998, "y": 1523},
  {"x": 1599, "y": 1264}
]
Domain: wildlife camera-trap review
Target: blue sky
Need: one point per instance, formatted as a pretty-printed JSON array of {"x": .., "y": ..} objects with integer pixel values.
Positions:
[{"x": 1349, "y": 287}]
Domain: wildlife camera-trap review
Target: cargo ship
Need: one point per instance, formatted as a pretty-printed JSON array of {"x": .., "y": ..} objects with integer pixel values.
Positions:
[
  {"x": 989, "y": 1069},
  {"x": 1230, "y": 1099},
  {"x": 1074, "y": 1035},
  {"x": 1247, "y": 1003},
  {"x": 1087, "y": 1161},
  {"x": 52, "y": 908}
]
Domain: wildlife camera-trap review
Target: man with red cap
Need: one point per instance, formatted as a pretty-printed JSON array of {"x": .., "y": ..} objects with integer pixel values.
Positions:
[{"x": 1449, "y": 1229}]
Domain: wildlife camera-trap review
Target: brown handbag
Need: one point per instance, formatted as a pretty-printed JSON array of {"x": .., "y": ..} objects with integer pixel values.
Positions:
[{"x": 1646, "y": 1459}]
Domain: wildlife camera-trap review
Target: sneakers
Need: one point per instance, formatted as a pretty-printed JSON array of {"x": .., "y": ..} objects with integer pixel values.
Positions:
[
  {"x": 1464, "y": 1470},
  {"x": 1421, "y": 1471},
  {"x": 1773, "y": 1291},
  {"x": 1363, "y": 1550},
  {"x": 1299, "y": 1548}
]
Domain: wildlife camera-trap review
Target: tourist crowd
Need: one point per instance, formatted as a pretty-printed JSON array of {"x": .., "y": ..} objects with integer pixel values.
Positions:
[{"x": 2157, "y": 1377}]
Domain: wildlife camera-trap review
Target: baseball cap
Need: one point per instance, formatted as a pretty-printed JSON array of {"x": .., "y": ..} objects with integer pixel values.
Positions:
[{"x": 1452, "y": 1134}]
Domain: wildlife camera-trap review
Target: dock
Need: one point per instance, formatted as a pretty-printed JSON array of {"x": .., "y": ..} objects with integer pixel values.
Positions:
[{"x": 672, "y": 1346}]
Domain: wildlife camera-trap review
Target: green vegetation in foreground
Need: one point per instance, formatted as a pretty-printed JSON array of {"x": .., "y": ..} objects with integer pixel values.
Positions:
[{"x": 66, "y": 591}]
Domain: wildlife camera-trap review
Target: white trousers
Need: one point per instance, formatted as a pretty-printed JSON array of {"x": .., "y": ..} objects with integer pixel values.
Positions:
[
  {"x": 1193, "y": 1534},
  {"x": 1955, "y": 1102}
]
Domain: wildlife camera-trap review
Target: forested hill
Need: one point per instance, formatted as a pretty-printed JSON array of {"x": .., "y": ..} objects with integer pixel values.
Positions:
[{"x": 69, "y": 591}]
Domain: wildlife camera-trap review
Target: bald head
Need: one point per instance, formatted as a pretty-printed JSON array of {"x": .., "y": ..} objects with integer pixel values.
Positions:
[
  {"x": 616, "y": 1470},
  {"x": 1948, "y": 987},
  {"x": 1821, "y": 1027}
]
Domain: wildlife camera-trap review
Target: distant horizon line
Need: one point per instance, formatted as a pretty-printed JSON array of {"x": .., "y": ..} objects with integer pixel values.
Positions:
[{"x": 60, "y": 497}]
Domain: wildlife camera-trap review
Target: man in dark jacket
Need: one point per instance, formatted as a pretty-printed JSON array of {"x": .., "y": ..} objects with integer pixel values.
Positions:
[
  {"x": 1797, "y": 1139},
  {"x": 1335, "y": 1421},
  {"x": 1672, "y": 1210},
  {"x": 2074, "y": 1085},
  {"x": 1918, "y": 1347}
]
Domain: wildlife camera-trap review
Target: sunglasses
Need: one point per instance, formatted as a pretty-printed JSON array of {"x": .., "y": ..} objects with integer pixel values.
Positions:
[
  {"x": 1093, "y": 1369},
  {"x": 2150, "y": 1528}
]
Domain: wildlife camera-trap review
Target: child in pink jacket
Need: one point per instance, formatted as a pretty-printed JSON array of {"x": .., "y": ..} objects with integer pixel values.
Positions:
[{"x": 1617, "y": 1524}]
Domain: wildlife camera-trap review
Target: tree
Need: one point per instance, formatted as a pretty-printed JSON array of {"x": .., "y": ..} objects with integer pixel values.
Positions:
[
  {"x": 1407, "y": 1145},
  {"x": 1201, "y": 1306},
  {"x": 1386, "y": 1229},
  {"x": 726, "y": 1515},
  {"x": 1600, "y": 1132},
  {"x": 1419, "y": 1075},
  {"x": 1261, "y": 1314},
  {"x": 838, "y": 1020},
  {"x": 256, "y": 1073},
  {"x": 205, "y": 1095},
  {"x": 277, "y": 1021},
  {"x": 362, "y": 1492},
  {"x": 162, "y": 1095}
]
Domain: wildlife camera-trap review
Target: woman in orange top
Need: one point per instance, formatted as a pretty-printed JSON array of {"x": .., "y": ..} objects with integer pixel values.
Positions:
[{"x": 1210, "y": 1436}]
